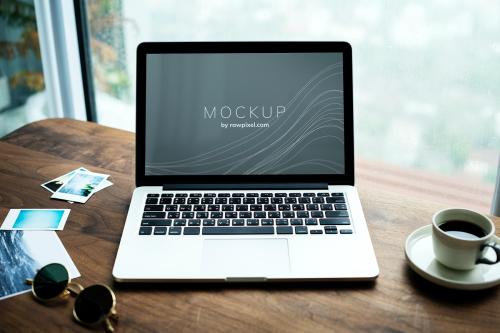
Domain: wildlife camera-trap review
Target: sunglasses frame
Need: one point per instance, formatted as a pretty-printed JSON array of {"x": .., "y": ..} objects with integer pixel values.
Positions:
[{"x": 69, "y": 289}]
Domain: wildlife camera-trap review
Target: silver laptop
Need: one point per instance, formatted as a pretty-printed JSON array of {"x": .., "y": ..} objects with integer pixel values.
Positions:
[{"x": 244, "y": 166}]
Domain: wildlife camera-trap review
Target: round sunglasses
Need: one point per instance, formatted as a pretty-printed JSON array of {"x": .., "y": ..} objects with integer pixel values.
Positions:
[{"x": 93, "y": 305}]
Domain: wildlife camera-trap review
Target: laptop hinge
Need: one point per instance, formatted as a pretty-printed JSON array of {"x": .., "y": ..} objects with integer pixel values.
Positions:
[{"x": 246, "y": 186}]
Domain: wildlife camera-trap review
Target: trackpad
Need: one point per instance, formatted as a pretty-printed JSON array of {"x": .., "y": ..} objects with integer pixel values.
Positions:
[{"x": 245, "y": 257}]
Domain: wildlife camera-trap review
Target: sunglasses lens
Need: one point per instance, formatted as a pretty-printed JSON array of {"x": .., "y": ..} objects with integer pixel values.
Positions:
[
  {"x": 93, "y": 304},
  {"x": 50, "y": 281}
]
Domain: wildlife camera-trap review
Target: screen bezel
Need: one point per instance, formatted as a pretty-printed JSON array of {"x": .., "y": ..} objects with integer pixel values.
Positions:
[{"x": 242, "y": 47}]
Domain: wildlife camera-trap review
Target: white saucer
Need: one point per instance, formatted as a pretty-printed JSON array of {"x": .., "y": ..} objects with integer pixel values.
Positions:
[{"x": 420, "y": 256}]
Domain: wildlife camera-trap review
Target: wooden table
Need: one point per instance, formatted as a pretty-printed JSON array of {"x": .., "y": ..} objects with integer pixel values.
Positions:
[{"x": 398, "y": 301}]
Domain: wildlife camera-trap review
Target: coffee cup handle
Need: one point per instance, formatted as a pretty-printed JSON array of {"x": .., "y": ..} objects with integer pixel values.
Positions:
[{"x": 486, "y": 261}]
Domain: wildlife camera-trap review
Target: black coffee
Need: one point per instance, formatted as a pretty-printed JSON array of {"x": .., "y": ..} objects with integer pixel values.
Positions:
[{"x": 462, "y": 229}]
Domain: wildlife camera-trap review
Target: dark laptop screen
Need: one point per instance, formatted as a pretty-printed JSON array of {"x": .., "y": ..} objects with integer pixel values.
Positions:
[{"x": 244, "y": 114}]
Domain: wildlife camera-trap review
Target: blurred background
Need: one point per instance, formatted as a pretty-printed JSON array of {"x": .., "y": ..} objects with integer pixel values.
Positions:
[{"x": 426, "y": 73}]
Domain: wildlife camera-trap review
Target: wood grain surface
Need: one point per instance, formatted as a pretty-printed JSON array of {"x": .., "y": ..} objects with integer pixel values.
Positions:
[{"x": 398, "y": 301}]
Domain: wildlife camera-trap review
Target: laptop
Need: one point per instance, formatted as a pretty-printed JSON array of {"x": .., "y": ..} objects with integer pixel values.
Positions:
[{"x": 244, "y": 166}]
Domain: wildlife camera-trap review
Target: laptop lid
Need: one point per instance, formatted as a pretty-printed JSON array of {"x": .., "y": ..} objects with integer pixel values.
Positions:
[{"x": 244, "y": 113}]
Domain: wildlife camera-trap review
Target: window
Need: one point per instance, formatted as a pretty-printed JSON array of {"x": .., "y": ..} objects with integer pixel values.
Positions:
[
  {"x": 22, "y": 84},
  {"x": 426, "y": 74}
]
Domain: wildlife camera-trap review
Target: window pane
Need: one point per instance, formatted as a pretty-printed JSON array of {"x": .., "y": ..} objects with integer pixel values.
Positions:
[
  {"x": 426, "y": 74},
  {"x": 22, "y": 88}
]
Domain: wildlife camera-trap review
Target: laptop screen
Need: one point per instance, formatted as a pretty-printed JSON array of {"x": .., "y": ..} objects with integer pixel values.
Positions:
[{"x": 244, "y": 114}]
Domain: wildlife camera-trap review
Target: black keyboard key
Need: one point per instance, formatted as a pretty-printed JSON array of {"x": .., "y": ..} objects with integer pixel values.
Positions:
[
  {"x": 335, "y": 200},
  {"x": 281, "y": 221},
  {"x": 160, "y": 231},
  {"x": 188, "y": 215},
  {"x": 268, "y": 208},
  {"x": 246, "y": 215},
  {"x": 209, "y": 195},
  {"x": 241, "y": 208},
  {"x": 340, "y": 206},
  {"x": 179, "y": 222},
  {"x": 304, "y": 200},
  {"x": 238, "y": 195},
  {"x": 252, "y": 222},
  {"x": 156, "y": 223},
  {"x": 230, "y": 215},
  {"x": 311, "y": 221},
  {"x": 252, "y": 195},
  {"x": 202, "y": 215},
  {"x": 303, "y": 214},
  {"x": 238, "y": 222},
  {"x": 249, "y": 201},
  {"x": 301, "y": 230},
  {"x": 207, "y": 201},
  {"x": 316, "y": 232},
  {"x": 171, "y": 208},
  {"x": 194, "y": 222},
  {"x": 326, "y": 207},
  {"x": 312, "y": 207},
  {"x": 283, "y": 207},
  {"x": 153, "y": 208},
  {"x": 338, "y": 213},
  {"x": 309, "y": 194},
  {"x": 267, "y": 222},
  {"x": 208, "y": 222},
  {"x": 227, "y": 208},
  {"x": 193, "y": 201},
  {"x": 295, "y": 194},
  {"x": 173, "y": 215},
  {"x": 298, "y": 207},
  {"x": 192, "y": 230},
  {"x": 185, "y": 208},
  {"x": 234, "y": 201},
  {"x": 238, "y": 231},
  {"x": 153, "y": 215},
  {"x": 266, "y": 195},
  {"x": 290, "y": 200},
  {"x": 346, "y": 231},
  {"x": 221, "y": 201},
  {"x": 323, "y": 194},
  {"x": 181, "y": 195},
  {"x": 165, "y": 201},
  {"x": 199, "y": 208},
  {"x": 337, "y": 194},
  {"x": 174, "y": 230},
  {"x": 167, "y": 195},
  {"x": 213, "y": 208},
  {"x": 223, "y": 222},
  {"x": 259, "y": 215},
  {"x": 280, "y": 195},
  {"x": 223, "y": 195},
  {"x": 151, "y": 201},
  {"x": 145, "y": 230},
  {"x": 337, "y": 221},
  {"x": 318, "y": 200},
  {"x": 216, "y": 215},
  {"x": 255, "y": 208},
  {"x": 331, "y": 231},
  {"x": 296, "y": 222},
  {"x": 316, "y": 213},
  {"x": 262, "y": 201},
  {"x": 153, "y": 195},
  {"x": 288, "y": 214},
  {"x": 274, "y": 215},
  {"x": 277, "y": 200},
  {"x": 284, "y": 230},
  {"x": 179, "y": 201},
  {"x": 195, "y": 195}
]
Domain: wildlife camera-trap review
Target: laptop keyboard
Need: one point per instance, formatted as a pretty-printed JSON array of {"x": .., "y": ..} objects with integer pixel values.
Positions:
[{"x": 238, "y": 213}]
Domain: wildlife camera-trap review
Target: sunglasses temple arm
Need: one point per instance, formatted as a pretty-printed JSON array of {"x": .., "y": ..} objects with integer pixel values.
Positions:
[
  {"x": 109, "y": 326},
  {"x": 29, "y": 282},
  {"x": 75, "y": 288}
]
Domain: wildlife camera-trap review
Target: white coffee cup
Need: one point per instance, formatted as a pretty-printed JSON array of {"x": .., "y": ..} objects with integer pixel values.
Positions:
[{"x": 463, "y": 248}]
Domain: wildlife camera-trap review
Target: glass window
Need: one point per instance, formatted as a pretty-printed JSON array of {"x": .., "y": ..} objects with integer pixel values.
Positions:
[
  {"x": 22, "y": 89},
  {"x": 426, "y": 74}
]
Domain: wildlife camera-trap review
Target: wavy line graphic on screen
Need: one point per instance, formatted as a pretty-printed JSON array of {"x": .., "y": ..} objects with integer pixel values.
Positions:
[{"x": 314, "y": 117}]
